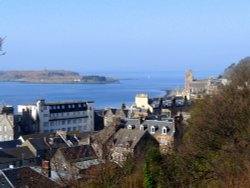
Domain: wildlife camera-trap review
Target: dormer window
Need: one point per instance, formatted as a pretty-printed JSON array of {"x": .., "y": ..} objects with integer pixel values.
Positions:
[
  {"x": 131, "y": 126},
  {"x": 164, "y": 130},
  {"x": 142, "y": 127},
  {"x": 153, "y": 130}
]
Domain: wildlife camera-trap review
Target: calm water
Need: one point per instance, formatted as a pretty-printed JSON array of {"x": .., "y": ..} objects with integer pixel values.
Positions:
[{"x": 103, "y": 95}]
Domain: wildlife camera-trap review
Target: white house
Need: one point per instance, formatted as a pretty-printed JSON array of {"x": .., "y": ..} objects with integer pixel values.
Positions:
[{"x": 65, "y": 116}]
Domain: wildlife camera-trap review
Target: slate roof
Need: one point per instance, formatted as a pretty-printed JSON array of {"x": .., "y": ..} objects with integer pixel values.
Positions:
[
  {"x": 128, "y": 138},
  {"x": 15, "y": 154},
  {"x": 158, "y": 123},
  {"x": 39, "y": 144},
  {"x": 78, "y": 153},
  {"x": 40, "y": 135},
  {"x": 10, "y": 144},
  {"x": 27, "y": 177},
  {"x": 199, "y": 84},
  {"x": 4, "y": 182}
]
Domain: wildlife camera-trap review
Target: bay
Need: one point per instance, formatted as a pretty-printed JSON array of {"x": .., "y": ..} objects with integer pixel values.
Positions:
[{"x": 104, "y": 95}]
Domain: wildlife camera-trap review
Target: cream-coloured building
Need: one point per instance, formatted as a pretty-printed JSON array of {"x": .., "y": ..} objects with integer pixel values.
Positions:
[{"x": 142, "y": 102}]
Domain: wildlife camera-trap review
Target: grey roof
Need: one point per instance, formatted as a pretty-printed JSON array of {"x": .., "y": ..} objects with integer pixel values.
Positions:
[
  {"x": 15, "y": 154},
  {"x": 27, "y": 177},
  {"x": 78, "y": 153},
  {"x": 4, "y": 182},
  {"x": 158, "y": 124},
  {"x": 41, "y": 135},
  {"x": 86, "y": 164},
  {"x": 200, "y": 84},
  {"x": 39, "y": 144},
  {"x": 10, "y": 144},
  {"x": 127, "y": 137}
]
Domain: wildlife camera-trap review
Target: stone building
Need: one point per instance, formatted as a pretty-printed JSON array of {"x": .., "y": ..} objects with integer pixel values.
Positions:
[
  {"x": 7, "y": 125},
  {"x": 131, "y": 143}
]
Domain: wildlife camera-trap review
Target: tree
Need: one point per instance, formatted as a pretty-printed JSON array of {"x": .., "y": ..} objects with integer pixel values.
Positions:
[{"x": 216, "y": 147}]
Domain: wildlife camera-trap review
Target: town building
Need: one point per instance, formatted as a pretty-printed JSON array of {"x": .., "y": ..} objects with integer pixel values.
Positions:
[
  {"x": 25, "y": 177},
  {"x": 129, "y": 142},
  {"x": 66, "y": 116},
  {"x": 16, "y": 157},
  {"x": 113, "y": 116},
  {"x": 76, "y": 159},
  {"x": 162, "y": 128},
  {"x": 7, "y": 125},
  {"x": 142, "y": 102}
]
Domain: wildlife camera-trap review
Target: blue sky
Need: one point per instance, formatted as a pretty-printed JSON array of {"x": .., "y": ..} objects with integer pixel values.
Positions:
[{"x": 124, "y": 35}]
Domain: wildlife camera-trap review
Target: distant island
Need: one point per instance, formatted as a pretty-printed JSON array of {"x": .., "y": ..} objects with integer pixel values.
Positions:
[{"x": 53, "y": 76}]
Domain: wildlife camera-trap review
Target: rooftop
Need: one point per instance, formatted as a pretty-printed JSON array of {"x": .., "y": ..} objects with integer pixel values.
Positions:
[
  {"x": 25, "y": 177},
  {"x": 15, "y": 154}
]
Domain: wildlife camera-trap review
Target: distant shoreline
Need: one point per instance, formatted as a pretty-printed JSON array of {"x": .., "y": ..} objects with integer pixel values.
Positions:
[
  {"x": 88, "y": 83},
  {"x": 53, "y": 77}
]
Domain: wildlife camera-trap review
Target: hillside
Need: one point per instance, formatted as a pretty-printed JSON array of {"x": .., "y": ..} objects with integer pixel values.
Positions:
[{"x": 51, "y": 76}]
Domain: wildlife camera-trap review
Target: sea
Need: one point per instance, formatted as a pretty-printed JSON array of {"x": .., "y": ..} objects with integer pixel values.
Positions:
[{"x": 113, "y": 95}]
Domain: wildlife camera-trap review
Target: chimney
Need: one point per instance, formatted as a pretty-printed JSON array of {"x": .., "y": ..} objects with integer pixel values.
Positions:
[{"x": 46, "y": 169}]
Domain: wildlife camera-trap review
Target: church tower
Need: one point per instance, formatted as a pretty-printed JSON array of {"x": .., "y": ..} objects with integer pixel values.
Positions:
[{"x": 188, "y": 79}]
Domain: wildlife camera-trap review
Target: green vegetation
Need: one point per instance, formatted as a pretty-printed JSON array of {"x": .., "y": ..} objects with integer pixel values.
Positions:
[{"x": 214, "y": 152}]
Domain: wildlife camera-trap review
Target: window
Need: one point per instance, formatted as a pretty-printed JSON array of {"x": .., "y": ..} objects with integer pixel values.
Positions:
[
  {"x": 63, "y": 107},
  {"x": 51, "y": 130},
  {"x": 5, "y": 128},
  {"x": 63, "y": 129},
  {"x": 152, "y": 130},
  {"x": 79, "y": 120},
  {"x": 74, "y": 128},
  {"x": 74, "y": 121},
  {"x": 1, "y": 128},
  {"x": 73, "y": 106},
  {"x": 142, "y": 127},
  {"x": 69, "y": 129},
  {"x": 45, "y": 115},
  {"x": 164, "y": 130},
  {"x": 63, "y": 122},
  {"x": 46, "y": 124},
  {"x": 68, "y": 121},
  {"x": 79, "y": 105},
  {"x": 69, "y": 106},
  {"x": 58, "y": 107}
]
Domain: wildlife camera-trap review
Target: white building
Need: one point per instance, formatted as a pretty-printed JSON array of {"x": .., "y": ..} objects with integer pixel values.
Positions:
[{"x": 65, "y": 116}]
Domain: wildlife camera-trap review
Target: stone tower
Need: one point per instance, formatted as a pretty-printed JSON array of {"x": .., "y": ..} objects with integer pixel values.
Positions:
[{"x": 188, "y": 79}]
